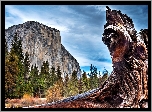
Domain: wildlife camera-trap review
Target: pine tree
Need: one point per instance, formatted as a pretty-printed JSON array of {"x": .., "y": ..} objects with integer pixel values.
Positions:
[
  {"x": 47, "y": 75},
  {"x": 17, "y": 47},
  {"x": 16, "y": 62},
  {"x": 11, "y": 72},
  {"x": 27, "y": 83},
  {"x": 80, "y": 84},
  {"x": 105, "y": 76},
  {"x": 65, "y": 87},
  {"x": 73, "y": 84},
  {"x": 93, "y": 77},
  {"x": 74, "y": 76},
  {"x": 44, "y": 74},
  {"x": 34, "y": 79},
  {"x": 6, "y": 48},
  {"x": 26, "y": 66},
  {"x": 58, "y": 72},
  {"x": 60, "y": 80},
  {"x": 85, "y": 82},
  {"x": 53, "y": 75},
  {"x": 20, "y": 83},
  {"x": 99, "y": 79}
]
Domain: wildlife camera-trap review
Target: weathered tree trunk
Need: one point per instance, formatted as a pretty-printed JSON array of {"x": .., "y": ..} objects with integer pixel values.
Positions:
[{"x": 127, "y": 85}]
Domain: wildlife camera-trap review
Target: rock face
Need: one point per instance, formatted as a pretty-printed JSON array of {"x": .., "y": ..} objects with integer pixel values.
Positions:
[
  {"x": 43, "y": 43},
  {"x": 127, "y": 86}
]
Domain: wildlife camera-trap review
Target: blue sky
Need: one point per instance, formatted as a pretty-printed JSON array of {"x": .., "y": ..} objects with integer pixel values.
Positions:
[{"x": 81, "y": 27}]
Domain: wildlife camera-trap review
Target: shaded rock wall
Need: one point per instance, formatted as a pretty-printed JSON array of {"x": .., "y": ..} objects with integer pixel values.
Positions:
[{"x": 43, "y": 43}]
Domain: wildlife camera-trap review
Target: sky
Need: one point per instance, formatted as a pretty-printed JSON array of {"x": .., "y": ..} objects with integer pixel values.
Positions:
[{"x": 81, "y": 27}]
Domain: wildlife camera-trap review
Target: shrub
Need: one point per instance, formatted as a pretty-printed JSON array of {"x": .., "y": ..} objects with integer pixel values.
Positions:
[
  {"x": 27, "y": 100},
  {"x": 54, "y": 93}
]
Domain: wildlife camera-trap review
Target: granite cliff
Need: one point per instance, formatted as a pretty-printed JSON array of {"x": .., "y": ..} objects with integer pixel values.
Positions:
[{"x": 43, "y": 43}]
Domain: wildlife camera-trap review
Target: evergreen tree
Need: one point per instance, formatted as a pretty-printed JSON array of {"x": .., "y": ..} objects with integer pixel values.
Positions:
[
  {"x": 16, "y": 61},
  {"x": 93, "y": 77},
  {"x": 6, "y": 48},
  {"x": 34, "y": 79},
  {"x": 53, "y": 75},
  {"x": 20, "y": 83},
  {"x": 65, "y": 87},
  {"x": 11, "y": 72},
  {"x": 28, "y": 89},
  {"x": 60, "y": 80},
  {"x": 26, "y": 66},
  {"x": 105, "y": 76},
  {"x": 100, "y": 79},
  {"x": 66, "y": 79},
  {"x": 80, "y": 84},
  {"x": 47, "y": 75},
  {"x": 73, "y": 84},
  {"x": 44, "y": 77},
  {"x": 74, "y": 76},
  {"x": 17, "y": 47},
  {"x": 85, "y": 82},
  {"x": 58, "y": 72}
]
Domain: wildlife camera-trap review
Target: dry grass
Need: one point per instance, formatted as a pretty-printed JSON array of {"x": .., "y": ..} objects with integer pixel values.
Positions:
[{"x": 27, "y": 100}]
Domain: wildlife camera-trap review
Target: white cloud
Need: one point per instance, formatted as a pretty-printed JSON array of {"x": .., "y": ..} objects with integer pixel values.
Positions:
[
  {"x": 19, "y": 17},
  {"x": 101, "y": 7}
]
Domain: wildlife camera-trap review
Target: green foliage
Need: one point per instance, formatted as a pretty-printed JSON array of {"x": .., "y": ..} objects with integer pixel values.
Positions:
[
  {"x": 53, "y": 75},
  {"x": 17, "y": 47},
  {"x": 93, "y": 77},
  {"x": 15, "y": 69},
  {"x": 34, "y": 79},
  {"x": 11, "y": 71},
  {"x": 20, "y": 80},
  {"x": 65, "y": 85},
  {"x": 26, "y": 66},
  {"x": 20, "y": 83},
  {"x": 45, "y": 76},
  {"x": 6, "y": 48},
  {"x": 74, "y": 76},
  {"x": 60, "y": 80},
  {"x": 71, "y": 85},
  {"x": 85, "y": 82},
  {"x": 72, "y": 88},
  {"x": 58, "y": 72},
  {"x": 105, "y": 76},
  {"x": 80, "y": 84}
]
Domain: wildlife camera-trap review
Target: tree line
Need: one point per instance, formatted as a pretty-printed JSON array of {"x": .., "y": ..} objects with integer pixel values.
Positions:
[{"x": 22, "y": 79}]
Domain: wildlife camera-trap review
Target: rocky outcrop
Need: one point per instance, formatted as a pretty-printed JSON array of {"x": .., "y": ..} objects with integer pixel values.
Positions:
[
  {"x": 127, "y": 86},
  {"x": 43, "y": 43}
]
